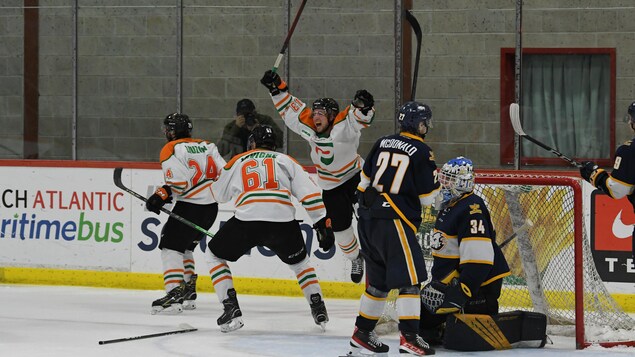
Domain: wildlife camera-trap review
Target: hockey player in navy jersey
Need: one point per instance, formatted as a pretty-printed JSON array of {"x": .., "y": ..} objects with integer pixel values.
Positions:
[
  {"x": 621, "y": 181},
  {"x": 468, "y": 267},
  {"x": 398, "y": 177},
  {"x": 333, "y": 136}
]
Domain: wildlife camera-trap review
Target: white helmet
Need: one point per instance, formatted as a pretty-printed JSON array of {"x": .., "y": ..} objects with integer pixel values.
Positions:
[{"x": 456, "y": 178}]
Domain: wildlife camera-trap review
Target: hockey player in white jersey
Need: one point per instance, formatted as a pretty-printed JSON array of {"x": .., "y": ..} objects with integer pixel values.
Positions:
[
  {"x": 263, "y": 183},
  {"x": 334, "y": 138},
  {"x": 189, "y": 166}
]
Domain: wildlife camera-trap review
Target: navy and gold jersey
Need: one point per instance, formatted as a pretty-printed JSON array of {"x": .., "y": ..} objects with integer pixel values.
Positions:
[
  {"x": 464, "y": 245},
  {"x": 402, "y": 169},
  {"x": 622, "y": 177}
]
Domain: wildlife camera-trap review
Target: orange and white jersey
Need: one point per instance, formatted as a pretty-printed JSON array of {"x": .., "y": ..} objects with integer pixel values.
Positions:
[
  {"x": 334, "y": 156},
  {"x": 263, "y": 184},
  {"x": 189, "y": 167}
]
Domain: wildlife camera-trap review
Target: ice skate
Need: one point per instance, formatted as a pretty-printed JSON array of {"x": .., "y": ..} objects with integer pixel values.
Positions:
[
  {"x": 189, "y": 294},
  {"x": 231, "y": 319},
  {"x": 170, "y": 304},
  {"x": 318, "y": 310},
  {"x": 357, "y": 269},
  {"x": 366, "y": 343},
  {"x": 413, "y": 344}
]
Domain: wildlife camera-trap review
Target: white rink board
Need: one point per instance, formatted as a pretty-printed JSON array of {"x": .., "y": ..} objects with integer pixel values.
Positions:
[{"x": 76, "y": 218}]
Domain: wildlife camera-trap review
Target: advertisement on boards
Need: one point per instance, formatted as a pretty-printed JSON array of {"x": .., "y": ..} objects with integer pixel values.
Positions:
[
  {"x": 76, "y": 218},
  {"x": 612, "y": 223}
]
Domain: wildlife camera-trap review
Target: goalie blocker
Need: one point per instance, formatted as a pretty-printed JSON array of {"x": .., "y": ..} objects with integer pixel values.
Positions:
[{"x": 514, "y": 329}]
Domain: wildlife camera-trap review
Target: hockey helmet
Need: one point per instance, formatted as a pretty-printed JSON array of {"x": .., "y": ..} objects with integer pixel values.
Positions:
[
  {"x": 413, "y": 113},
  {"x": 328, "y": 104},
  {"x": 177, "y": 126},
  {"x": 630, "y": 115},
  {"x": 262, "y": 136}
]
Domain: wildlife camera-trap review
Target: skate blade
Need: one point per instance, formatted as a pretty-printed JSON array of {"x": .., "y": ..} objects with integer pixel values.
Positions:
[
  {"x": 232, "y": 325},
  {"x": 174, "y": 309},
  {"x": 323, "y": 326},
  {"x": 362, "y": 352},
  {"x": 189, "y": 305}
]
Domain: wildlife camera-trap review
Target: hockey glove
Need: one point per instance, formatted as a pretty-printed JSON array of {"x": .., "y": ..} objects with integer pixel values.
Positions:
[
  {"x": 592, "y": 173},
  {"x": 455, "y": 296},
  {"x": 368, "y": 197},
  {"x": 363, "y": 101},
  {"x": 273, "y": 82},
  {"x": 325, "y": 235},
  {"x": 160, "y": 197}
]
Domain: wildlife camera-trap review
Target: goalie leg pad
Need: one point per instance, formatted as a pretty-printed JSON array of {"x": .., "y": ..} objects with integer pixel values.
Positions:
[{"x": 515, "y": 329}]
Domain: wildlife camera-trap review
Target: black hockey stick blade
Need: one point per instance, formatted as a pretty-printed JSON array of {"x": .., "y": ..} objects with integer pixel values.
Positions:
[
  {"x": 116, "y": 177},
  {"x": 183, "y": 329},
  {"x": 288, "y": 38},
  {"x": 416, "y": 28},
  {"x": 514, "y": 116}
]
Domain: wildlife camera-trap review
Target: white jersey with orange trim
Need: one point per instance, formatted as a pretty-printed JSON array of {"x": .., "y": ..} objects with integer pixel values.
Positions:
[
  {"x": 334, "y": 156},
  {"x": 189, "y": 167},
  {"x": 262, "y": 184}
]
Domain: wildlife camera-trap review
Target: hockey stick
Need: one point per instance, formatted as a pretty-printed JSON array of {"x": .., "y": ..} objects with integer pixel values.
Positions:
[
  {"x": 183, "y": 329},
  {"x": 117, "y": 179},
  {"x": 528, "y": 224},
  {"x": 417, "y": 30},
  {"x": 514, "y": 115},
  {"x": 288, "y": 39}
]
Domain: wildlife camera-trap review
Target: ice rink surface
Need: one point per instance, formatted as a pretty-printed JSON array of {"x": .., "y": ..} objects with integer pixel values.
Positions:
[{"x": 70, "y": 321}]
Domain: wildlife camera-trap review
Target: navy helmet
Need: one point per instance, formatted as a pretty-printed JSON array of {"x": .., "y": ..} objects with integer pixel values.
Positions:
[
  {"x": 413, "y": 113},
  {"x": 630, "y": 116}
]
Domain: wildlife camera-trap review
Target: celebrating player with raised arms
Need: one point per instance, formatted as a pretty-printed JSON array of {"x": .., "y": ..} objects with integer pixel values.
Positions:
[
  {"x": 334, "y": 138},
  {"x": 262, "y": 183},
  {"x": 189, "y": 166}
]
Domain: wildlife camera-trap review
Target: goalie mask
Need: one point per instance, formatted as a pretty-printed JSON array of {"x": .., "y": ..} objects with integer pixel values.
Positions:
[
  {"x": 456, "y": 178},
  {"x": 177, "y": 126}
]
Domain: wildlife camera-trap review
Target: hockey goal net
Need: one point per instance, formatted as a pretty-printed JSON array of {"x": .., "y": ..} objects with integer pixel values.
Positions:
[{"x": 539, "y": 224}]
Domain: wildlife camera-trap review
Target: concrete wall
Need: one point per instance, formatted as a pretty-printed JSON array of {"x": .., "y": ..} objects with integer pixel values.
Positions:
[{"x": 127, "y": 66}]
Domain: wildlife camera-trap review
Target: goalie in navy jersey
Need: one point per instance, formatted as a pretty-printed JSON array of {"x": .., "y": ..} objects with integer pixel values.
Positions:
[
  {"x": 468, "y": 267},
  {"x": 398, "y": 177}
]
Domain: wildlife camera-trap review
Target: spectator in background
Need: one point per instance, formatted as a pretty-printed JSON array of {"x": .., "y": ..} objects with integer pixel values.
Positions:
[{"x": 235, "y": 134}]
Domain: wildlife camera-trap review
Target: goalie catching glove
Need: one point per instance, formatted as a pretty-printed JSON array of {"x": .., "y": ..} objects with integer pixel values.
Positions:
[
  {"x": 439, "y": 298},
  {"x": 273, "y": 82},
  {"x": 325, "y": 235},
  {"x": 363, "y": 101},
  {"x": 160, "y": 197}
]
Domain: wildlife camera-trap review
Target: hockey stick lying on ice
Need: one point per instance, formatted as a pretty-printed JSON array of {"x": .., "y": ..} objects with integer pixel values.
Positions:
[
  {"x": 117, "y": 179},
  {"x": 288, "y": 38},
  {"x": 528, "y": 224},
  {"x": 416, "y": 28},
  {"x": 183, "y": 328},
  {"x": 514, "y": 115}
]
